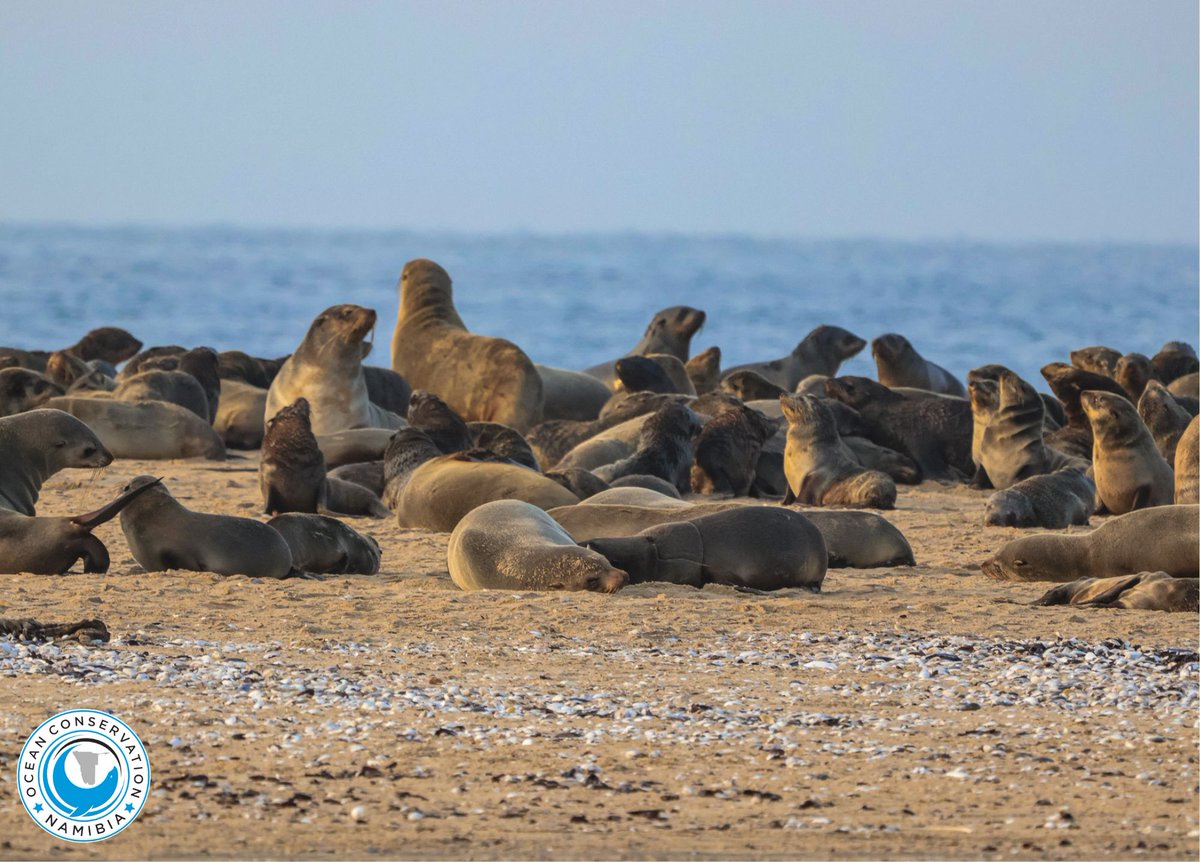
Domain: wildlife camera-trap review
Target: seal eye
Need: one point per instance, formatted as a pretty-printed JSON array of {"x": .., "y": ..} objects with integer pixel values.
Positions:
[
  {"x": 89, "y": 451},
  {"x": 593, "y": 584},
  {"x": 60, "y": 444}
]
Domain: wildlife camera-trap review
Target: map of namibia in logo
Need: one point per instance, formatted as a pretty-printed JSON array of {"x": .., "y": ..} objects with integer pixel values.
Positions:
[{"x": 83, "y": 775}]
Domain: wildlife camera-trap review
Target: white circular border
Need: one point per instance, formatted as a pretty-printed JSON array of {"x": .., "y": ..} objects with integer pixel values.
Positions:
[{"x": 109, "y": 717}]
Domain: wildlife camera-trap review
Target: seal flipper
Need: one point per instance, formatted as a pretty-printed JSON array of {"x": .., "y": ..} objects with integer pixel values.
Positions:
[
  {"x": 94, "y": 555},
  {"x": 90, "y": 520},
  {"x": 1141, "y": 498},
  {"x": 789, "y": 497},
  {"x": 981, "y": 480},
  {"x": 1114, "y": 592}
]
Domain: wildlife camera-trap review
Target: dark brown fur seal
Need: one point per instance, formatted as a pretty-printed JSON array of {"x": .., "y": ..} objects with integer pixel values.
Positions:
[
  {"x": 1165, "y": 419},
  {"x": 1147, "y": 591},
  {"x": 22, "y": 390},
  {"x": 1129, "y": 470},
  {"x": 387, "y": 389},
  {"x": 109, "y": 344},
  {"x": 582, "y": 483},
  {"x": 1097, "y": 359},
  {"x": 899, "y": 364},
  {"x": 504, "y": 441},
  {"x": 664, "y": 448},
  {"x": 1175, "y": 359},
  {"x": 150, "y": 355},
  {"x": 751, "y": 386},
  {"x": 1052, "y": 500},
  {"x": 325, "y": 545},
  {"x": 822, "y": 351},
  {"x": 670, "y": 331},
  {"x": 1068, "y": 384},
  {"x": 36, "y": 445},
  {"x": 369, "y": 474},
  {"x": 727, "y": 450},
  {"x": 433, "y": 417},
  {"x": 482, "y": 378},
  {"x": 1134, "y": 371},
  {"x": 704, "y": 370}
]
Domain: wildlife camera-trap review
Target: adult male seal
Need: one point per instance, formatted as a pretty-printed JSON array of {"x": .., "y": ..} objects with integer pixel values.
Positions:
[
  {"x": 325, "y": 545},
  {"x": 36, "y": 445},
  {"x": 899, "y": 364},
  {"x": 163, "y": 534},
  {"x": 1052, "y": 500},
  {"x": 513, "y": 545},
  {"x": 1146, "y": 591},
  {"x": 327, "y": 370},
  {"x": 670, "y": 331},
  {"x": 482, "y": 378},
  {"x": 1130, "y": 472},
  {"x": 1148, "y": 540},
  {"x": 822, "y": 351},
  {"x": 1187, "y": 464},
  {"x": 149, "y": 430},
  {"x": 821, "y": 470}
]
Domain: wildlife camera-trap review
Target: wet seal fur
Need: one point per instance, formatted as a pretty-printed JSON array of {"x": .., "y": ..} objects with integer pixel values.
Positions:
[
  {"x": 1129, "y": 470},
  {"x": 1053, "y": 500},
  {"x": 36, "y": 445},
  {"x": 325, "y": 545},
  {"x": 1147, "y": 591}
]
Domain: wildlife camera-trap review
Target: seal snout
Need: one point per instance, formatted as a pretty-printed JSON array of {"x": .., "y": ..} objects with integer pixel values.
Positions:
[{"x": 609, "y": 582}]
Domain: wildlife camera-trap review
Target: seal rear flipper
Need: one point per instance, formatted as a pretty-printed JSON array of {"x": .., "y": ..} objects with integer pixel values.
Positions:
[
  {"x": 91, "y": 520},
  {"x": 981, "y": 480},
  {"x": 1113, "y": 593},
  {"x": 94, "y": 555},
  {"x": 300, "y": 574}
]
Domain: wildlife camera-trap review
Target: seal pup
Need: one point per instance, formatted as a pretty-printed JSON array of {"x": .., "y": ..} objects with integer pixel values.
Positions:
[
  {"x": 1147, "y": 591},
  {"x": 434, "y": 418},
  {"x": 1187, "y": 464},
  {"x": 1129, "y": 470},
  {"x": 752, "y": 386},
  {"x": 1097, "y": 359},
  {"x": 1164, "y": 418},
  {"x": 727, "y": 451},
  {"x": 934, "y": 432},
  {"x": 354, "y": 445},
  {"x": 292, "y": 476},
  {"x": 664, "y": 448},
  {"x": 202, "y": 363},
  {"x": 163, "y": 534},
  {"x": 369, "y": 474},
  {"x": 1011, "y": 447},
  {"x": 1134, "y": 371},
  {"x": 387, "y": 390},
  {"x": 151, "y": 358},
  {"x": 821, "y": 470},
  {"x": 641, "y": 374},
  {"x": 512, "y": 545},
  {"x": 172, "y": 387},
  {"x": 109, "y": 344},
  {"x": 704, "y": 370},
  {"x": 69, "y": 372},
  {"x": 1068, "y": 384},
  {"x": 553, "y": 439},
  {"x": 1052, "y": 500},
  {"x": 822, "y": 351},
  {"x": 36, "y": 445},
  {"x": 899, "y": 364},
  {"x": 1158, "y": 539},
  {"x": 753, "y": 547},
  {"x": 327, "y": 369},
  {"x": 325, "y": 545},
  {"x": 505, "y": 442},
  {"x": 482, "y": 378},
  {"x": 670, "y": 331},
  {"x": 571, "y": 395},
  {"x": 584, "y": 484},
  {"x": 149, "y": 430},
  {"x": 241, "y": 415},
  {"x": 1175, "y": 359},
  {"x": 22, "y": 390}
]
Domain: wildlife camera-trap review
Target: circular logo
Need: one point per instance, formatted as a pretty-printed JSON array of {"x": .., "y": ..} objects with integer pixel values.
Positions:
[{"x": 83, "y": 775}]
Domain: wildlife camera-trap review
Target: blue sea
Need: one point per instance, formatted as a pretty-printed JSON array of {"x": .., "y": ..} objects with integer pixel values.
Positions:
[{"x": 573, "y": 301}]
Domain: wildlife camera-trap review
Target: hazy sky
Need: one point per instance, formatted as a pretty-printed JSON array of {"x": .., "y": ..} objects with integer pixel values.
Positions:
[{"x": 993, "y": 120}]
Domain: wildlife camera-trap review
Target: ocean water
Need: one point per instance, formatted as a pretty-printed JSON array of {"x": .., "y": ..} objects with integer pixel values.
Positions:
[{"x": 574, "y": 301}]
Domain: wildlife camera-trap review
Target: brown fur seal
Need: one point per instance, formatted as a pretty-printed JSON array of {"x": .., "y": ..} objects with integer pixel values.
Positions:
[
  {"x": 1134, "y": 371},
  {"x": 756, "y": 547},
  {"x": 327, "y": 546},
  {"x": 172, "y": 387},
  {"x": 821, "y": 470},
  {"x": 1129, "y": 470},
  {"x": 584, "y": 484},
  {"x": 327, "y": 370},
  {"x": 236, "y": 365},
  {"x": 1175, "y": 359},
  {"x": 670, "y": 332},
  {"x": 22, "y": 390},
  {"x": 727, "y": 451},
  {"x": 1011, "y": 447},
  {"x": 150, "y": 430},
  {"x": 822, "y": 351},
  {"x": 512, "y": 545},
  {"x": 1068, "y": 384},
  {"x": 73, "y": 374},
  {"x": 704, "y": 370},
  {"x": 1158, "y": 539},
  {"x": 36, "y": 445},
  {"x": 899, "y": 364},
  {"x": 504, "y": 441},
  {"x": 934, "y": 432},
  {"x": 151, "y": 358},
  {"x": 1097, "y": 359},
  {"x": 1052, "y": 500},
  {"x": 354, "y": 446},
  {"x": 163, "y": 535},
  {"x": 369, "y": 474},
  {"x": 1164, "y": 418},
  {"x": 984, "y": 397},
  {"x": 647, "y": 482},
  {"x": 1146, "y": 591},
  {"x": 51, "y": 546},
  {"x": 434, "y": 418},
  {"x": 241, "y": 415},
  {"x": 664, "y": 448},
  {"x": 202, "y": 363},
  {"x": 1187, "y": 464},
  {"x": 552, "y": 440},
  {"x": 291, "y": 474},
  {"x": 752, "y": 386},
  {"x": 482, "y": 378},
  {"x": 387, "y": 389},
  {"x": 571, "y": 395},
  {"x": 109, "y": 344},
  {"x": 1187, "y": 386},
  {"x": 631, "y": 495}
]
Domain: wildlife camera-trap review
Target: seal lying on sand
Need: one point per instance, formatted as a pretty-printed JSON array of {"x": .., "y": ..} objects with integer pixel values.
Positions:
[
  {"x": 173, "y": 387},
  {"x": 822, "y": 351},
  {"x": 670, "y": 332},
  {"x": 1129, "y": 470},
  {"x": 327, "y": 370},
  {"x": 149, "y": 430},
  {"x": 512, "y": 545},
  {"x": 759, "y": 547},
  {"x": 1147, "y": 591},
  {"x": 326, "y": 546},
  {"x": 821, "y": 470},
  {"x": 1158, "y": 539},
  {"x": 36, "y": 445},
  {"x": 22, "y": 390},
  {"x": 483, "y": 379},
  {"x": 899, "y": 364},
  {"x": 242, "y": 414},
  {"x": 1053, "y": 500}
]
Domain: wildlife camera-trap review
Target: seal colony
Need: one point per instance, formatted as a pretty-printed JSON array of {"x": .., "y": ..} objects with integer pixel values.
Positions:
[{"x": 658, "y": 465}]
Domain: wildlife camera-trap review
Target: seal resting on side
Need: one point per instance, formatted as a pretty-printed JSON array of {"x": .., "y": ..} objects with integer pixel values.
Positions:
[
  {"x": 149, "y": 430},
  {"x": 325, "y": 545},
  {"x": 483, "y": 379},
  {"x": 512, "y": 545},
  {"x": 1052, "y": 500},
  {"x": 1147, "y": 591}
]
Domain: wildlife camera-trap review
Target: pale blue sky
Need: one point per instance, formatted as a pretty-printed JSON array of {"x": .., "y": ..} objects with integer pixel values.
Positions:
[{"x": 1007, "y": 120}]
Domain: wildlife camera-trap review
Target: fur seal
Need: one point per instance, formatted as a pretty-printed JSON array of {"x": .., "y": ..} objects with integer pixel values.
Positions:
[
  {"x": 327, "y": 370},
  {"x": 756, "y": 547},
  {"x": 670, "y": 331},
  {"x": 1164, "y": 418},
  {"x": 584, "y": 484},
  {"x": 1175, "y": 359},
  {"x": 202, "y": 363},
  {"x": 241, "y": 415},
  {"x": 512, "y": 545},
  {"x": 482, "y": 378},
  {"x": 1011, "y": 447},
  {"x": 387, "y": 390},
  {"x": 1187, "y": 464},
  {"x": 22, "y": 390},
  {"x": 822, "y": 351},
  {"x": 354, "y": 446},
  {"x": 1129, "y": 470},
  {"x": 1068, "y": 384},
  {"x": 984, "y": 397},
  {"x": 898, "y": 364},
  {"x": 163, "y": 534},
  {"x": 73, "y": 374},
  {"x": 150, "y": 358},
  {"x": 236, "y": 365},
  {"x": 571, "y": 395},
  {"x": 934, "y": 432},
  {"x": 149, "y": 430},
  {"x": 1134, "y": 371},
  {"x": 644, "y": 481},
  {"x": 552, "y": 440},
  {"x": 752, "y": 386},
  {"x": 51, "y": 546},
  {"x": 291, "y": 474},
  {"x": 1158, "y": 539},
  {"x": 325, "y": 545},
  {"x": 727, "y": 451},
  {"x": 369, "y": 474},
  {"x": 704, "y": 370},
  {"x": 505, "y": 442},
  {"x": 1097, "y": 359},
  {"x": 1187, "y": 386},
  {"x": 172, "y": 387},
  {"x": 433, "y": 417},
  {"x": 1146, "y": 591},
  {"x": 36, "y": 445},
  {"x": 630, "y": 495},
  {"x": 109, "y": 344},
  {"x": 664, "y": 448},
  {"x": 1052, "y": 500},
  {"x": 821, "y": 470}
]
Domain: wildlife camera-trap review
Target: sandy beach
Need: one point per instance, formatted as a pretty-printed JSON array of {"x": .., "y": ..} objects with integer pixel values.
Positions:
[{"x": 918, "y": 712}]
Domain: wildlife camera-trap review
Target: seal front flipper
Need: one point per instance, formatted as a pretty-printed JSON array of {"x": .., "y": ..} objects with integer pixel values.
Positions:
[{"x": 980, "y": 479}]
